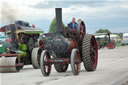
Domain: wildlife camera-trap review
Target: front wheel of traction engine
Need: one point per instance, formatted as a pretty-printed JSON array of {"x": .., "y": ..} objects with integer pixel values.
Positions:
[
  {"x": 89, "y": 52},
  {"x": 45, "y": 66},
  {"x": 75, "y": 61}
]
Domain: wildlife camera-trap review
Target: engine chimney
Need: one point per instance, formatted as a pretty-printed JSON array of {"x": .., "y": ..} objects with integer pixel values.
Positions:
[
  {"x": 59, "y": 28},
  {"x": 13, "y": 33}
]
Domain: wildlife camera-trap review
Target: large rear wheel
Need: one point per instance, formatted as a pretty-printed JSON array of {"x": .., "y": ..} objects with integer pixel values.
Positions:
[{"x": 89, "y": 52}]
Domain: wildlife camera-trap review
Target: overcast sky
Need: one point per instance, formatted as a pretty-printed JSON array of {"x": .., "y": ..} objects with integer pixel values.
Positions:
[{"x": 107, "y": 14}]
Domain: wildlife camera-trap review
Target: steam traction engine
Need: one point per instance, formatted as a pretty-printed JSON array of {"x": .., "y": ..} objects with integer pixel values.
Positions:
[
  {"x": 18, "y": 47},
  {"x": 66, "y": 47}
]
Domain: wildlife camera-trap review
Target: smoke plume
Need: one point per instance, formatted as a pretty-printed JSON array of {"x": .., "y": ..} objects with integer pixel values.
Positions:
[{"x": 8, "y": 14}]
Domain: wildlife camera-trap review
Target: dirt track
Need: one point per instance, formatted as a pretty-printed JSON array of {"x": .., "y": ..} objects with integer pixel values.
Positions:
[{"x": 112, "y": 70}]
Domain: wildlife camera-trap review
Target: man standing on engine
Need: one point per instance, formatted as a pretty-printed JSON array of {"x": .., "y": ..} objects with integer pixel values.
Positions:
[
  {"x": 79, "y": 20},
  {"x": 73, "y": 24}
]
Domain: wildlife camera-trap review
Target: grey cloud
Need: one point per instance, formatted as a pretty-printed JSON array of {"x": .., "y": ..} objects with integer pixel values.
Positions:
[{"x": 66, "y": 4}]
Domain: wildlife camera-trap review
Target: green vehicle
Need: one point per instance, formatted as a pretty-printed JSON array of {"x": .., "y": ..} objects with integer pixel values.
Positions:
[
  {"x": 104, "y": 40},
  {"x": 16, "y": 51},
  {"x": 2, "y": 42},
  {"x": 101, "y": 42}
]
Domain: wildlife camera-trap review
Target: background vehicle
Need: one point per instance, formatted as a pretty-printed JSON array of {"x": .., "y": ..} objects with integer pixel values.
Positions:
[
  {"x": 105, "y": 40},
  {"x": 17, "y": 53},
  {"x": 101, "y": 40}
]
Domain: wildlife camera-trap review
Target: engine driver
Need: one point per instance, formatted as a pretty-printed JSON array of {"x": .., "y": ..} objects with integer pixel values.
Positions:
[{"x": 73, "y": 24}]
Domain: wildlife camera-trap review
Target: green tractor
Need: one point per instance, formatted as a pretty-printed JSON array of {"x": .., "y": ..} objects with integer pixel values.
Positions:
[
  {"x": 104, "y": 40},
  {"x": 17, "y": 51}
]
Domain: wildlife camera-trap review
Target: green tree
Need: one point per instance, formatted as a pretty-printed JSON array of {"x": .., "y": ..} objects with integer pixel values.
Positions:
[
  {"x": 103, "y": 31},
  {"x": 52, "y": 27}
]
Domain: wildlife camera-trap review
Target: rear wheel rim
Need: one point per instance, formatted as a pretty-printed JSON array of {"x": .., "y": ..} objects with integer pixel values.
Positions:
[{"x": 93, "y": 52}]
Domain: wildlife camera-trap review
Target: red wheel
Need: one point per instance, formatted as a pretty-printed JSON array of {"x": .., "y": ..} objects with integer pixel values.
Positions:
[
  {"x": 110, "y": 45},
  {"x": 93, "y": 52},
  {"x": 90, "y": 52},
  {"x": 75, "y": 62},
  {"x": 44, "y": 64},
  {"x": 81, "y": 30}
]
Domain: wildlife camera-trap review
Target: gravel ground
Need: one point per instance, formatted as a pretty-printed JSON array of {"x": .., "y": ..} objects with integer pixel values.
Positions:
[{"x": 112, "y": 70}]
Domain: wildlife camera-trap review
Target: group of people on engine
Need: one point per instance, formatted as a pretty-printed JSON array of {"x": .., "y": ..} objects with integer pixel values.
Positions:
[{"x": 73, "y": 24}]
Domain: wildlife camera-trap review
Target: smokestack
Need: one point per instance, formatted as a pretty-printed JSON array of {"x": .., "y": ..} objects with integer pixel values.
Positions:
[
  {"x": 59, "y": 28},
  {"x": 14, "y": 42},
  {"x": 13, "y": 33}
]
